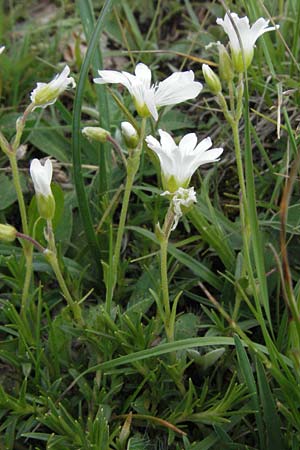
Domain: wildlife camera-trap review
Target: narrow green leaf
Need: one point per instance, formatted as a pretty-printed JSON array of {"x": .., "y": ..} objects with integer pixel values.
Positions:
[
  {"x": 271, "y": 418},
  {"x": 83, "y": 203},
  {"x": 249, "y": 380},
  {"x": 195, "y": 266}
]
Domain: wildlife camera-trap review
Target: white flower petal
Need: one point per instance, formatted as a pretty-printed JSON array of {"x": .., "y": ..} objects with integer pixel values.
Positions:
[
  {"x": 143, "y": 73},
  {"x": 207, "y": 157},
  {"x": 150, "y": 103},
  {"x": 188, "y": 143},
  {"x": 167, "y": 142},
  {"x": 112, "y": 76},
  {"x": 203, "y": 145},
  {"x": 41, "y": 176},
  {"x": 177, "y": 88}
]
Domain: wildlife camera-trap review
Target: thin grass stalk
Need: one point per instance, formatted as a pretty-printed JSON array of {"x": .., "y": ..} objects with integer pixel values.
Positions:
[{"x": 83, "y": 203}]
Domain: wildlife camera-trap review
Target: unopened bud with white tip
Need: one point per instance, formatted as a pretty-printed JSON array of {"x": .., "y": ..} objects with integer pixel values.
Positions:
[
  {"x": 130, "y": 135},
  {"x": 212, "y": 80},
  {"x": 41, "y": 176}
]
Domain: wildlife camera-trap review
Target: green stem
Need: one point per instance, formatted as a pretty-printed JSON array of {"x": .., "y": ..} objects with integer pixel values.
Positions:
[
  {"x": 164, "y": 240},
  {"x": 132, "y": 168},
  {"x": 27, "y": 246},
  {"x": 18, "y": 188},
  {"x": 74, "y": 306},
  {"x": 28, "y": 252},
  {"x": 239, "y": 160},
  {"x": 20, "y": 127}
]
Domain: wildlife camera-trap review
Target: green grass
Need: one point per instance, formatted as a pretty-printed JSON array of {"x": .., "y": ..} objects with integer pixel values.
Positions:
[{"x": 230, "y": 379}]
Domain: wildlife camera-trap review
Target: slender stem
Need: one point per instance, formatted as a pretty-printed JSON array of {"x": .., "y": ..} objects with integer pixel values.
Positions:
[
  {"x": 132, "y": 168},
  {"x": 231, "y": 97},
  {"x": 164, "y": 240},
  {"x": 239, "y": 160},
  {"x": 164, "y": 277},
  {"x": 74, "y": 306},
  {"x": 18, "y": 188},
  {"x": 20, "y": 127},
  {"x": 39, "y": 247},
  {"x": 27, "y": 280},
  {"x": 27, "y": 246}
]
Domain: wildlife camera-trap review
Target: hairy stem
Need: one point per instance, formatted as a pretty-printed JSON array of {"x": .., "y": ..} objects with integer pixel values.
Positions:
[{"x": 132, "y": 168}]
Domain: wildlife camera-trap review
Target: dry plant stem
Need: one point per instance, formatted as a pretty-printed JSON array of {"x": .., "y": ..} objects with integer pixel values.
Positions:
[
  {"x": 132, "y": 167},
  {"x": 292, "y": 303}
]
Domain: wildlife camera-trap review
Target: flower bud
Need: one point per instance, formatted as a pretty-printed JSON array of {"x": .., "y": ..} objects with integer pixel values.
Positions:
[
  {"x": 2, "y": 48},
  {"x": 212, "y": 80},
  {"x": 225, "y": 64},
  {"x": 41, "y": 177},
  {"x": 130, "y": 135},
  {"x": 96, "y": 134},
  {"x": 8, "y": 233}
]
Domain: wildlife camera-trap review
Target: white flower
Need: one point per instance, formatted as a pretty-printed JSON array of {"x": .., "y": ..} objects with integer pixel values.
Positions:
[
  {"x": 181, "y": 198},
  {"x": 47, "y": 93},
  {"x": 41, "y": 177},
  {"x": 179, "y": 162},
  {"x": 247, "y": 35},
  {"x": 2, "y": 49},
  {"x": 177, "y": 88}
]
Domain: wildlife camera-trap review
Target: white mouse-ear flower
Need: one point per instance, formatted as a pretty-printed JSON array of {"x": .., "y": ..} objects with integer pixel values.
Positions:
[
  {"x": 42, "y": 176},
  {"x": 147, "y": 97},
  {"x": 47, "y": 93},
  {"x": 248, "y": 36},
  {"x": 179, "y": 162}
]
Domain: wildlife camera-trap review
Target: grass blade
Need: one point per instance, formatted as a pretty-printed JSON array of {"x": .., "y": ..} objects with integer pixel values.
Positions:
[{"x": 76, "y": 148}]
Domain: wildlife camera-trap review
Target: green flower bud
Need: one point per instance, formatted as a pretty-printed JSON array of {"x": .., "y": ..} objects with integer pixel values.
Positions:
[
  {"x": 96, "y": 134},
  {"x": 212, "y": 80},
  {"x": 225, "y": 64},
  {"x": 8, "y": 233}
]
